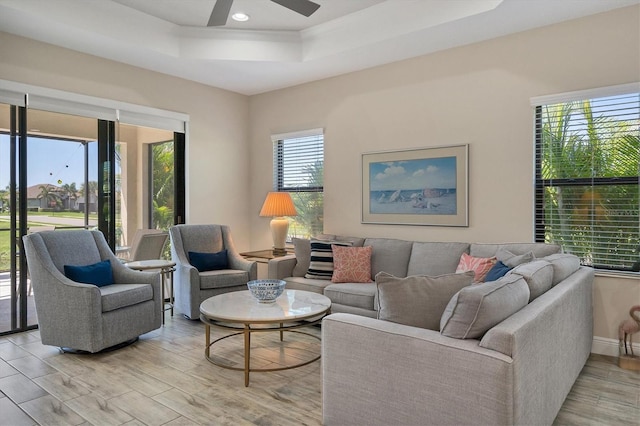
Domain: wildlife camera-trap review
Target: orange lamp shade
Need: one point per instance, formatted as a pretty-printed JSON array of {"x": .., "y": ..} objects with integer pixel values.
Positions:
[{"x": 278, "y": 204}]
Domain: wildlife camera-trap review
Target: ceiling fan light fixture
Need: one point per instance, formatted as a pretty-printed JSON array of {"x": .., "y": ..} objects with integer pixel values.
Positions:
[
  {"x": 240, "y": 17},
  {"x": 221, "y": 10}
]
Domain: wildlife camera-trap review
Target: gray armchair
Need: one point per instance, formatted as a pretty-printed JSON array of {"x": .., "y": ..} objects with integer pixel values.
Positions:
[
  {"x": 191, "y": 287},
  {"x": 147, "y": 244},
  {"x": 84, "y": 316}
]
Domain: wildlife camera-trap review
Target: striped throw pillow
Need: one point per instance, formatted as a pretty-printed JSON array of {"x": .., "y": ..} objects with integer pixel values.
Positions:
[{"x": 321, "y": 261}]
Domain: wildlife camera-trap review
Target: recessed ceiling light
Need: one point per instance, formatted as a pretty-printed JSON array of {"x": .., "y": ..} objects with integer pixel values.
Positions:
[{"x": 240, "y": 17}]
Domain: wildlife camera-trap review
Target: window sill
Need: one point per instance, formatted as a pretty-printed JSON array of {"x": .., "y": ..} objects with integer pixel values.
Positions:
[{"x": 620, "y": 274}]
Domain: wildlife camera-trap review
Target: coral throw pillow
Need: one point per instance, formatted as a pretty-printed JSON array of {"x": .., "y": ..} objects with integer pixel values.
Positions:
[
  {"x": 479, "y": 265},
  {"x": 351, "y": 264}
]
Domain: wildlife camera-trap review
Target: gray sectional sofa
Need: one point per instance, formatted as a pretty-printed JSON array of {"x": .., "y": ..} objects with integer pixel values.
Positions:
[{"x": 516, "y": 371}]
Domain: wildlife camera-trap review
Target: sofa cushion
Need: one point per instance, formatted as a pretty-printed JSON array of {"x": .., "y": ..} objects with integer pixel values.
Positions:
[
  {"x": 498, "y": 271},
  {"x": 435, "y": 258},
  {"x": 564, "y": 264},
  {"x": 209, "y": 261},
  {"x": 351, "y": 264},
  {"x": 480, "y": 265},
  {"x": 538, "y": 275},
  {"x": 306, "y": 284},
  {"x": 475, "y": 309},
  {"x": 513, "y": 260},
  {"x": 99, "y": 274},
  {"x": 223, "y": 278},
  {"x": 389, "y": 255},
  {"x": 491, "y": 249},
  {"x": 302, "y": 250},
  {"x": 417, "y": 300},
  {"x": 321, "y": 261},
  {"x": 359, "y": 295},
  {"x": 122, "y": 295}
]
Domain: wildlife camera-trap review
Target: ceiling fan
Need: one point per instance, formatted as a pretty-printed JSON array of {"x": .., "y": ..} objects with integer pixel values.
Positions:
[{"x": 221, "y": 9}]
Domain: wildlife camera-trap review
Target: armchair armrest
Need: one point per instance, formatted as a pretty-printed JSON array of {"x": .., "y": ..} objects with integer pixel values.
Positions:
[
  {"x": 281, "y": 267},
  {"x": 122, "y": 274},
  {"x": 238, "y": 262}
]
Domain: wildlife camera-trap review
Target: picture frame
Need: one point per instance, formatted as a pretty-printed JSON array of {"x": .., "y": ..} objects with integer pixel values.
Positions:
[{"x": 423, "y": 186}]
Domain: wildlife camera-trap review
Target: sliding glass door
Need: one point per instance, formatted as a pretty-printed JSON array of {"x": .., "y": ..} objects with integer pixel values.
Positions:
[
  {"x": 66, "y": 171},
  {"x": 48, "y": 166}
]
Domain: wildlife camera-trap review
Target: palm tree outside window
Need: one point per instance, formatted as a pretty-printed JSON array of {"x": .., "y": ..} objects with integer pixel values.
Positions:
[{"x": 587, "y": 182}]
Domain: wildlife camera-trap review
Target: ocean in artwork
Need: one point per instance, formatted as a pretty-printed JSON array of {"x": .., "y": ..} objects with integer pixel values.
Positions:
[{"x": 422, "y": 187}]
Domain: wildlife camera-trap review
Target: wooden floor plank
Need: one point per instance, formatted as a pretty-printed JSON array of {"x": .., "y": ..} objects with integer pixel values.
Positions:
[
  {"x": 12, "y": 414},
  {"x": 47, "y": 410},
  {"x": 98, "y": 411}
]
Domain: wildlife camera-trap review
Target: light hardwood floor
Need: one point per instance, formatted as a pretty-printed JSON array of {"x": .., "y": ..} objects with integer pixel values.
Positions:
[{"x": 164, "y": 379}]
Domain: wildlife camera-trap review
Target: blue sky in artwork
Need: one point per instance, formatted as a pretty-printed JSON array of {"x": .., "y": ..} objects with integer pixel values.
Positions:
[{"x": 413, "y": 174}]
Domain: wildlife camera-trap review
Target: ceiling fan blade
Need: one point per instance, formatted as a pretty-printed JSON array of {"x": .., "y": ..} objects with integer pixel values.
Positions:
[
  {"x": 303, "y": 7},
  {"x": 220, "y": 13}
]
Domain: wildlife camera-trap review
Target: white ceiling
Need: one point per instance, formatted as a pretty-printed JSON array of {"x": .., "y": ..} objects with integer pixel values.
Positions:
[{"x": 277, "y": 48}]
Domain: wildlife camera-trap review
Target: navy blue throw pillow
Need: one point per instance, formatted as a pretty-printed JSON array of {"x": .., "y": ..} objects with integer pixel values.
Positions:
[
  {"x": 99, "y": 274},
  {"x": 209, "y": 261},
  {"x": 498, "y": 271}
]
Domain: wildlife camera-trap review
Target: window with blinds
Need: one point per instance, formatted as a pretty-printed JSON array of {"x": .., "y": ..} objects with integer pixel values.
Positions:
[
  {"x": 587, "y": 179},
  {"x": 298, "y": 166}
]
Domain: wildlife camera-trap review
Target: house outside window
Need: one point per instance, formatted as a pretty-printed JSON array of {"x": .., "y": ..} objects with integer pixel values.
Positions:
[
  {"x": 298, "y": 168},
  {"x": 587, "y": 185}
]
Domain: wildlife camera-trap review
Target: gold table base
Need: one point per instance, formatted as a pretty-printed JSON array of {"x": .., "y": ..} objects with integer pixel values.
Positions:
[{"x": 246, "y": 332}]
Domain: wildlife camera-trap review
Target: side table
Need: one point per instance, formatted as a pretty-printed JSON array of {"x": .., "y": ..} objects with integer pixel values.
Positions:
[
  {"x": 166, "y": 268},
  {"x": 263, "y": 256}
]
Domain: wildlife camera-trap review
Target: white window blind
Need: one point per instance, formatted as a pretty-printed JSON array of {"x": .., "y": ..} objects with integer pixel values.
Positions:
[
  {"x": 298, "y": 168},
  {"x": 12, "y": 98},
  {"x": 587, "y": 178},
  {"x": 298, "y": 163},
  {"x": 46, "y": 99}
]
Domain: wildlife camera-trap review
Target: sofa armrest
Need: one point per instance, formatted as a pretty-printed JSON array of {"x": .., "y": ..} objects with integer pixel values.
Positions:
[
  {"x": 379, "y": 373},
  {"x": 550, "y": 339},
  {"x": 281, "y": 267}
]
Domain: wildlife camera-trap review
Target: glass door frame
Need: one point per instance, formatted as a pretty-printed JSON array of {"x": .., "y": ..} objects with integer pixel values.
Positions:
[{"x": 107, "y": 181}]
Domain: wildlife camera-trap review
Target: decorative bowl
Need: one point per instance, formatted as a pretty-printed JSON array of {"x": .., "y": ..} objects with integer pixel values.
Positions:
[{"x": 266, "y": 291}]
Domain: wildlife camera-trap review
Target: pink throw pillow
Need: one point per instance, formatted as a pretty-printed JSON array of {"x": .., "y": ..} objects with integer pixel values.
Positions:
[
  {"x": 351, "y": 264},
  {"x": 479, "y": 265}
]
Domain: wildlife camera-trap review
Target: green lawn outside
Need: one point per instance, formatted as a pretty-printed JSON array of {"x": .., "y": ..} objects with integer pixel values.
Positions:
[
  {"x": 5, "y": 226},
  {"x": 72, "y": 215}
]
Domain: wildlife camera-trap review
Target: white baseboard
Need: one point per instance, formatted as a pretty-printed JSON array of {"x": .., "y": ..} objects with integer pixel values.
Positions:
[{"x": 605, "y": 346}]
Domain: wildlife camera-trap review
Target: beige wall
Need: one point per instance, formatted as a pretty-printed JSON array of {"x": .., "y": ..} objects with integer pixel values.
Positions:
[
  {"x": 217, "y": 149},
  {"x": 477, "y": 95}
]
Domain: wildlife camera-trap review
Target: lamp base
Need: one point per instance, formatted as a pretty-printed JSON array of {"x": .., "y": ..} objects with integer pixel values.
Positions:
[{"x": 279, "y": 229}]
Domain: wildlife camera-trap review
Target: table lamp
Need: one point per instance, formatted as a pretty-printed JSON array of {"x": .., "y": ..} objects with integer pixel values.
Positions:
[{"x": 278, "y": 205}]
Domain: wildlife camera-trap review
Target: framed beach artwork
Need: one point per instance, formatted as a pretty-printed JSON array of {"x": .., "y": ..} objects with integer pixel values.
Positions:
[{"x": 426, "y": 186}]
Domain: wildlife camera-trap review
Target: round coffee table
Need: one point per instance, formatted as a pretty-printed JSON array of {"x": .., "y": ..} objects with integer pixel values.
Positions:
[{"x": 241, "y": 312}]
